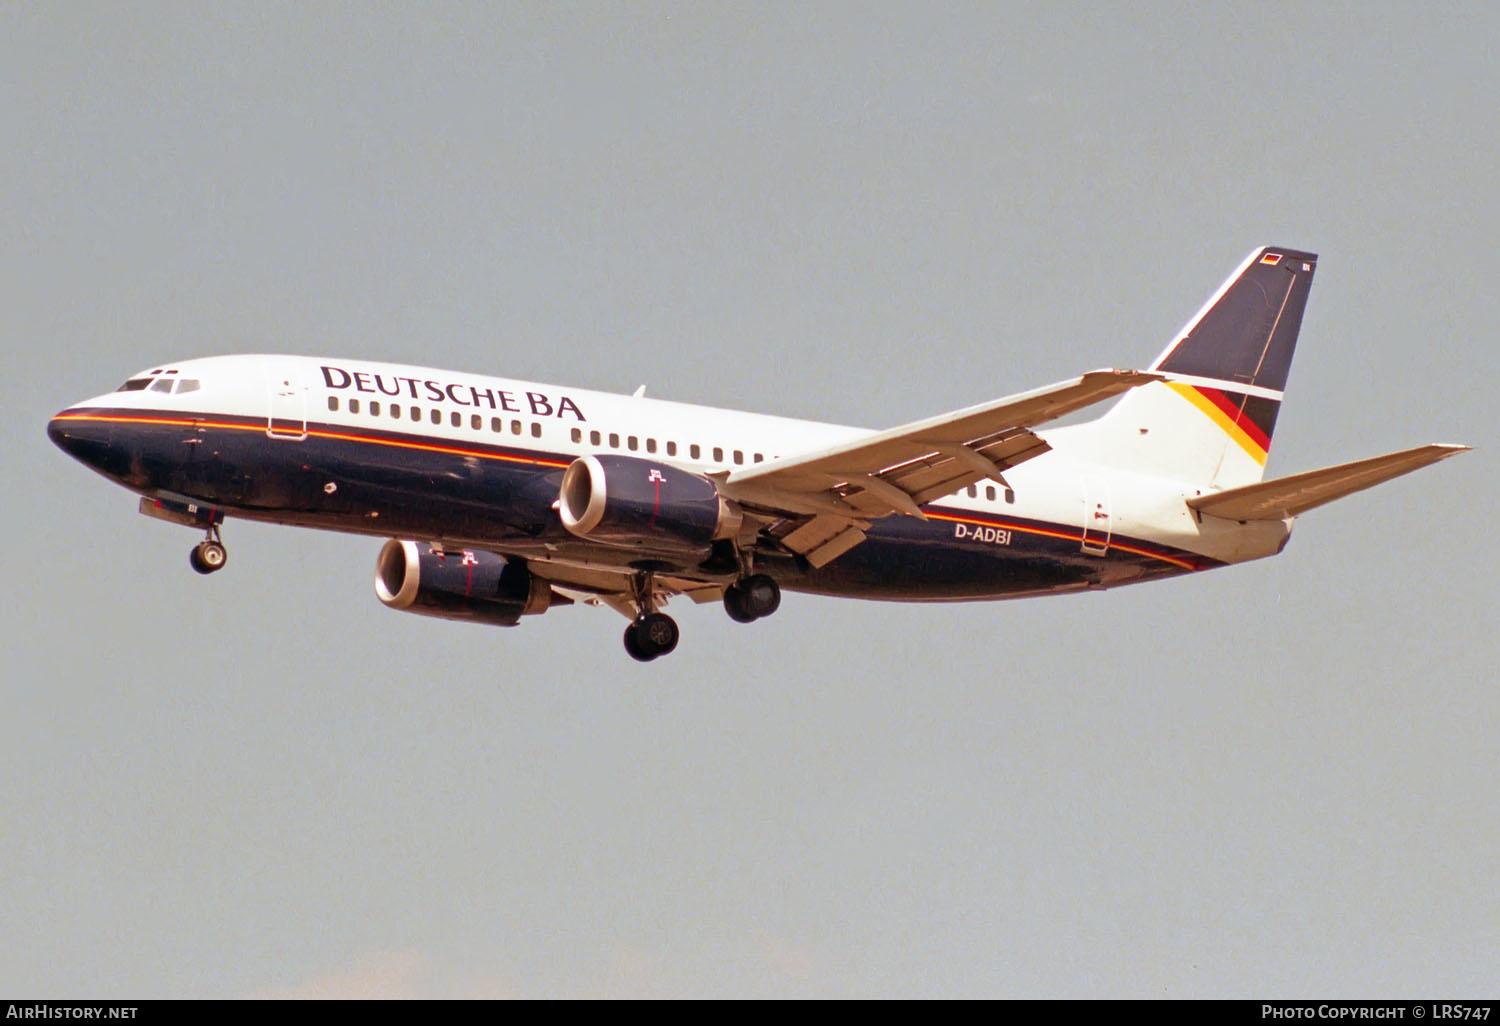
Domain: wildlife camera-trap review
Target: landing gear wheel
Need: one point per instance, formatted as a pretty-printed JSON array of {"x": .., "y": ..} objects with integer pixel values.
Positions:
[
  {"x": 654, "y": 634},
  {"x": 208, "y": 556},
  {"x": 736, "y": 606},
  {"x": 763, "y": 595},
  {"x": 633, "y": 644},
  {"x": 751, "y": 598},
  {"x": 659, "y": 633}
]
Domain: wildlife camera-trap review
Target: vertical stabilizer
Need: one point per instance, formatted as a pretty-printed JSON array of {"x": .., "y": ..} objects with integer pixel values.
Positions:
[{"x": 1210, "y": 422}]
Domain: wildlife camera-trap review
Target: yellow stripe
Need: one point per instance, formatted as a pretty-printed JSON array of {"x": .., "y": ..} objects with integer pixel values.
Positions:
[{"x": 1218, "y": 416}]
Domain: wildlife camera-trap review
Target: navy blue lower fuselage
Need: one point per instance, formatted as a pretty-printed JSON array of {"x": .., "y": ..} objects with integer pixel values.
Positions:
[{"x": 501, "y": 498}]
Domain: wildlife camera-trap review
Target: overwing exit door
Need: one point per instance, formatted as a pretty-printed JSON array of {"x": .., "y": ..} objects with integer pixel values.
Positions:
[{"x": 287, "y": 395}]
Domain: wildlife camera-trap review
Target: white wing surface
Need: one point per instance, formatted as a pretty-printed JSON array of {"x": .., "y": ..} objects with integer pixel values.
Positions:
[{"x": 827, "y": 498}]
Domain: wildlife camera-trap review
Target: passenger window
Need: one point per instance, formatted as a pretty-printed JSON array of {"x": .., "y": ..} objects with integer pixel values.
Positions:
[
  {"x": 374, "y": 407},
  {"x": 333, "y": 402},
  {"x": 416, "y": 413},
  {"x": 1010, "y": 495},
  {"x": 593, "y": 438},
  {"x": 456, "y": 419},
  {"x": 671, "y": 448},
  {"x": 718, "y": 455},
  {"x": 739, "y": 457},
  {"x": 973, "y": 492},
  {"x": 395, "y": 411},
  {"x": 693, "y": 450},
  {"x": 515, "y": 427},
  {"x": 476, "y": 422},
  {"x": 436, "y": 416},
  {"x": 536, "y": 430},
  {"x": 650, "y": 445},
  {"x": 631, "y": 443},
  {"x": 353, "y": 405},
  {"x": 577, "y": 434},
  {"x": 614, "y": 440},
  {"x": 497, "y": 425},
  {"x": 759, "y": 458},
  {"x": 989, "y": 492}
]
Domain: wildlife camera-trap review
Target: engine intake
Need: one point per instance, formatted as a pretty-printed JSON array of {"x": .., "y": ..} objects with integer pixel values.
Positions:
[
  {"x": 469, "y": 584},
  {"x": 636, "y": 503}
]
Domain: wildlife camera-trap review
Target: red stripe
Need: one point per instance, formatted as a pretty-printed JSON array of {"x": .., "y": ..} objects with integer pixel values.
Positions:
[
  {"x": 1236, "y": 414},
  {"x": 1133, "y": 547}
]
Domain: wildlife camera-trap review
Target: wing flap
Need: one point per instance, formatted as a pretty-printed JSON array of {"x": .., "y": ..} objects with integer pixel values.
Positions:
[
  {"x": 953, "y": 466},
  {"x": 1290, "y": 496}
]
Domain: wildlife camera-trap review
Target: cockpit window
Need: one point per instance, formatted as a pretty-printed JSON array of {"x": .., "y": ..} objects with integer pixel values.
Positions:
[{"x": 161, "y": 384}]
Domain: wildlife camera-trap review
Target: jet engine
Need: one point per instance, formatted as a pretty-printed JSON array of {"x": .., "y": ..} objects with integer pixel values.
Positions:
[
  {"x": 466, "y": 584},
  {"x": 634, "y": 503}
]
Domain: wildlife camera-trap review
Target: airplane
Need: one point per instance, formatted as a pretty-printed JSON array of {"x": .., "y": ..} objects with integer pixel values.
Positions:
[{"x": 502, "y": 499}]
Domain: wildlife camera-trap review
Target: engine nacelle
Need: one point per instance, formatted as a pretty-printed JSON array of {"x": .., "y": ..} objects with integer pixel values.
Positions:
[
  {"x": 466, "y": 584},
  {"x": 635, "y": 503}
]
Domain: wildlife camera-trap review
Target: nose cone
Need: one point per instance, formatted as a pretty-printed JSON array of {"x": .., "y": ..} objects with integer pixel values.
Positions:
[{"x": 86, "y": 439}]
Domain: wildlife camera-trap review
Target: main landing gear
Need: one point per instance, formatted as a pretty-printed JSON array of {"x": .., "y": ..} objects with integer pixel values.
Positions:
[
  {"x": 652, "y": 633},
  {"x": 209, "y": 555},
  {"x": 751, "y": 598}
]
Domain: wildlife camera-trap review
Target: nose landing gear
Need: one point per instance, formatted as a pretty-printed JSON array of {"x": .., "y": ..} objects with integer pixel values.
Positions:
[{"x": 209, "y": 555}]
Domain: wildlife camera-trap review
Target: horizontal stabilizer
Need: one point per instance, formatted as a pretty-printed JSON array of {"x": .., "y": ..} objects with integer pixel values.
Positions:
[{"x": 1290, "y": 496}]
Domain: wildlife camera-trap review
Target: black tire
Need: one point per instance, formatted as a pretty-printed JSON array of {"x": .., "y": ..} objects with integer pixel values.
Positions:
[
  {"x": 762, "y": 595},
  {"x": 657, "y": 634},
  {"x": 633, "y": 645},
  {"x": 736, "y": 606},
  {"x": 195, "y": 560}
]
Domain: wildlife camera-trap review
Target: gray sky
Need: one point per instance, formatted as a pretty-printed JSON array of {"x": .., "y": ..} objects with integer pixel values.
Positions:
[{"x": 1278, "y": 778}]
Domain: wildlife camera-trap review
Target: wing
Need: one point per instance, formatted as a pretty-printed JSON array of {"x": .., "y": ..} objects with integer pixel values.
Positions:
[
  {"x": 824, "y": 501},
  {"x": 1287, "y": 497}
]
